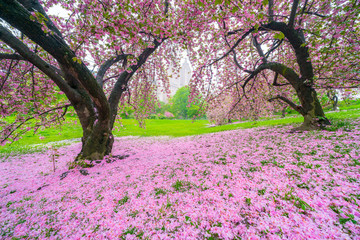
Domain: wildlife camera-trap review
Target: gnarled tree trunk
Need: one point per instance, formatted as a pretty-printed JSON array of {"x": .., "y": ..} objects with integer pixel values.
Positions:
[
  {"x": 310, "y": 109},
  {"x": 85, "y": 92},
  {"x": 96, "y": 143}
]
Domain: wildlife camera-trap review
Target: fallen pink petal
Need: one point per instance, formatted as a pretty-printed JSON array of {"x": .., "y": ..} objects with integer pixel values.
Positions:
[{"x": 241, "y": 184}]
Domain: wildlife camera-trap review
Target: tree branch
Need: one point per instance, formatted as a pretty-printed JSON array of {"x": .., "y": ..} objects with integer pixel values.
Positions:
[
  {"x": 234, "y": 46},
  {"x": 271, "y": 11},
  {"x": 26, "y": 53},
  {"x": 19, "y": 17},
  {"x": 167, "y": 4},
  {"x": 14, "y": 56},
  {"x": 28, "y": 119},
  {"x": 298, "y": 43},
  {"x": 31, "y": 5},
  {"x": 297, "y": 108},
  {"x": 302, "y": 11},
  {"x": 8, "y": 74},
  {"x": 121, "y": 84},
  {"x": 11, "y": 56},
  {"x": 106, "y": 65},
  {"x": 293, "y": 13},
  {"x": 316, "y": 14},
  {"x": 234, "y": 32},
  {"x": 235, "y": 57},
  {"x": 259, "y": 50},
  {"x": 275, "y": 83},
  {"x": 274, "y": 47}
]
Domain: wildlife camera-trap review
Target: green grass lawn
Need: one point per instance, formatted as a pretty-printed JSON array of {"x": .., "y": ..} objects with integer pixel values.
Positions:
[{"x": 175, "y": 128}]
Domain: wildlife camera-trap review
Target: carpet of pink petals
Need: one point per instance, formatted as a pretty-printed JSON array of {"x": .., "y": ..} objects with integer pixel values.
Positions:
[{"x": 261, "y": 183}]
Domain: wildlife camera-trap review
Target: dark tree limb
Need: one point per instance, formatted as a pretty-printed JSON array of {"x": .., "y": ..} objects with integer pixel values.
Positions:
[
  {"x": 26, "y": 53},
  {"x": 8, "y": 74},
  {"x": 14, "y": 56},
  {"x": 122, "y": 82},
  {"x": 275, "y": 83},
  {"x": 31, "y": 5},
  {"x": 106, "y": 65},
  {"x": 275, "y": 79},
  {"x": 289, "y": 74},
  {"x": 276, "y": 44},
  {"x": 234, "y": 32},
  {"x": 11, "y": 56},
  {"x": 234, "y": 46},
  {"x": 259, "y": 49},
  {"x": 235, "y": 56},
  {"x": 271, "y": 11},
  {"x": 30, "y": 118},
  {"x": 238, "y": 64},
  {"x": 19, "y": 17},
  {"x": 293, "y": 13},
  {"x": 297, "y": 108},
  {"x": 316, "y": 14},
  {"x": 297, "y": 42},
  {"x": 167, "y": 5}
]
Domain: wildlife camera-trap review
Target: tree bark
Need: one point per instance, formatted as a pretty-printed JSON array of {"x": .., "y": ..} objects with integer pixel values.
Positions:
[
  {"x": 75, "y": 80},
  {"x": 97, "y": 141},
  {"x": 314, "y": 116},
  {"x": 96, "y": 113},
  {"x": 310, "y": 109}
]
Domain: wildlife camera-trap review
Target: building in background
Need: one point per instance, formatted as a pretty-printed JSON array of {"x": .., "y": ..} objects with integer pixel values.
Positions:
[{"x": 177, "y": 81}]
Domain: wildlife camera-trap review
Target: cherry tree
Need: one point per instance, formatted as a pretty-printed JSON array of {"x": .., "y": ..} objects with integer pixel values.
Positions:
[
  {"x": 269, "y": 50},
  {"x": 100, "y": 53}
]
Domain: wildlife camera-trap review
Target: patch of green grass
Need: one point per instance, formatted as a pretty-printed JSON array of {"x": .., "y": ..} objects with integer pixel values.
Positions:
[
  {"x": 180, "y": 128},
  {"x": 160, "y": 191},
  {"x": 156, "y": 127},
  {"x": 123, "y": 200},
  {"x": 339, "y": 124},
  {"x": 349, "y": 104},
  {"x": 17, "y": 148},
  {"x": 182, "y": 186},
  {"x": 261, "y": 192},
  {"x": 344, "y": 114},
  {"x": 248, "y": 201}
]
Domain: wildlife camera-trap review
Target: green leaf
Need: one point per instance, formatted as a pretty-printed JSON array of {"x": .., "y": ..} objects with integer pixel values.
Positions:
[
  {"x": 75, "y": 59},
  {"x": 256, "y": 27},
  {"x": 41, "y": 16},
  {"x": 201, "y": 4},
  {"x": 344, "y": 220},
  {"x": 234, "y": 9},
  {"x": 265, "y": 2},
  {"x": 217, "y": 2},
  {"x": 279, "y": 35}
]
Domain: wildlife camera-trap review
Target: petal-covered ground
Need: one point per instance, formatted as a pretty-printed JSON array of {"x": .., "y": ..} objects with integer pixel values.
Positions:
[{"x": 263, "y": 183}]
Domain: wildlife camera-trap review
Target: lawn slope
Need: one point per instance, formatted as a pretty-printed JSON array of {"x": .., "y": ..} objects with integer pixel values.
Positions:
[{"x": 240, "y": 184}]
